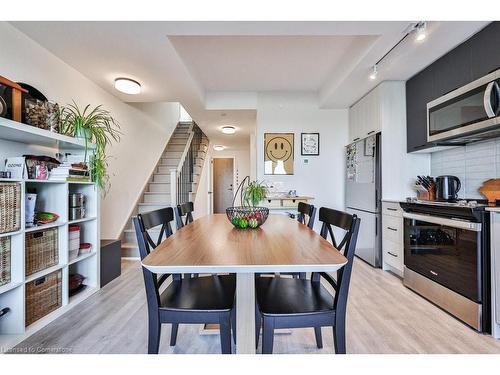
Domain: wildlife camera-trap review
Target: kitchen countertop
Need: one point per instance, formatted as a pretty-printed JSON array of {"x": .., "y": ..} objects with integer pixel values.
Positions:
[
  {"x": 394, "y": 200},
  {"x": 493, "y": 209}
]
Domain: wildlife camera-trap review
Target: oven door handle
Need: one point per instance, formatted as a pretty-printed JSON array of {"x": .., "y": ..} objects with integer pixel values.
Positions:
[{"x": 467, "y": 225}]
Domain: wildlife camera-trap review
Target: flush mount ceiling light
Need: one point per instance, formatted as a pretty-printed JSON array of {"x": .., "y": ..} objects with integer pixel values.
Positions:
[
  {"x": 228, "y": 129},
  {"x": 420, "y": 30},
  {"x": 219, "y": 148},
  {"x": 374, "y": 73},
  {"x": 128, "y": 86}
]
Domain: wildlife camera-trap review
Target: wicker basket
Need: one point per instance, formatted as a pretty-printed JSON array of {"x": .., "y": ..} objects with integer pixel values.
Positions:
[
  {"x": 4, "y": 260},
  {"x": 43, "y": 296},
  {"x": 41, "y": 250},
  {"x": 10, "y": 207}
]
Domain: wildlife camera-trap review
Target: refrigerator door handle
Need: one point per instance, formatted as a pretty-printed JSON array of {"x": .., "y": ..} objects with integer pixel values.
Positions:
[{"x": 376, "y": 226}]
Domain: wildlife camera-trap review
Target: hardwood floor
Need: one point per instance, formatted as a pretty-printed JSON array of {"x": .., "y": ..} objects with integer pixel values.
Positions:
[{"x": 383, "y": 317}]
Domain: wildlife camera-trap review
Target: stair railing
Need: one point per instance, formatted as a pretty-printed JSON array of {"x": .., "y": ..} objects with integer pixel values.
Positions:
[{"x": 182, "y": 177}]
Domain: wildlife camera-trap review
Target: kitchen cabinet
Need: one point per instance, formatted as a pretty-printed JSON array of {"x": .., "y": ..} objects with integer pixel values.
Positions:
[
  {"x": 364, "y": 116},
  {"x": 469, "y": 61},
  {"x": 419, "y": 91},
  {"x": 392, "y": 237},
  {"x": 485, "y": 55}
]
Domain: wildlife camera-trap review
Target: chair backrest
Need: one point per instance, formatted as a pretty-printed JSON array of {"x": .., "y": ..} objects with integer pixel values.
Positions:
[
  {"x": 306, "y": 211},
  {"x": 142, "y": 223},
  {"x": 148, "y": 220},
  {"x": 347, "y": 245},
  {"x": 184, "y": 209}
]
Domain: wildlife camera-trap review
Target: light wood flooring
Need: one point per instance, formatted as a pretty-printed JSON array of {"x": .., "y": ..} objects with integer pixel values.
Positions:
[{"x": 383, "y": 317}]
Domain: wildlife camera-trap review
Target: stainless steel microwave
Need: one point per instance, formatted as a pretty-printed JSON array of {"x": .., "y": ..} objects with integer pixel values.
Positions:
[{"x": 467, "y": 114}]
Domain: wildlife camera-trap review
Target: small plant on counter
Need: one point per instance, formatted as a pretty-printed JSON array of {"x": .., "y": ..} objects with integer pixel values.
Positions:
[
  {"x": 254, "y": 193},
  {"x": 95, "y": 126}
]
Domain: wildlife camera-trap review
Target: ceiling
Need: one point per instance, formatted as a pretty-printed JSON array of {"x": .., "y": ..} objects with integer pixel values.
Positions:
[{"x": 195, "y": 62}]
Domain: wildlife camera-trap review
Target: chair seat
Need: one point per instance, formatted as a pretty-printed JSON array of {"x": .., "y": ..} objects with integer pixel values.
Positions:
[
  {"x": 206, "y": 293},
  {"x": 285, "y": 296}
]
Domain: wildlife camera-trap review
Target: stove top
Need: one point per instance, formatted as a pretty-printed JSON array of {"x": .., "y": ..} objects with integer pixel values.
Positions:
[{"x": 468, "y": 203}]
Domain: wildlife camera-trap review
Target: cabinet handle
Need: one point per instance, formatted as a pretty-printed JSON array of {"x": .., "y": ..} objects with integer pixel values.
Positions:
[
  {"x": 392, "y": 254},
  {"x": 393, "y": 229},
  {"x": 391, "y": 209},
  {"x": 434, "y": 273},
  {"x": 373, "y": 131},
  {"x": 355, "y": 139}
]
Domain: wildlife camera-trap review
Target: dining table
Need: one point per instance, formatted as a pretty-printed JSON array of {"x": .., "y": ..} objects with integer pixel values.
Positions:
[{"x": 212, "y": 245}]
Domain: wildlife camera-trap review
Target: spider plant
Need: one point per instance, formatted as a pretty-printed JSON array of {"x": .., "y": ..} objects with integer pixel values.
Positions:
[
  {"x": 254, "y": 193},
  {"x": 96, "y": 126}
]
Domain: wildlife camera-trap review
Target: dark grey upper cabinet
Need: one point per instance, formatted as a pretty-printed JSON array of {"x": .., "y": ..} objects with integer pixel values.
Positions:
[
  {"x": 485, "y": 51},
  {"x": 419, "y": 91},
  {"x": 452, "y": 70},
  {"x": 469, "y": 61}
]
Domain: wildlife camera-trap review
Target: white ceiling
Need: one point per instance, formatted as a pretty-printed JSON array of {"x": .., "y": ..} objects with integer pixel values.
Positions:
[
  {"x": 191, "y": 62},
  {"x": 267, "y": 63}
]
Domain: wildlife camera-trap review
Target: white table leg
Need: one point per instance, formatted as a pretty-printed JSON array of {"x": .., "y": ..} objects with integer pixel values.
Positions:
[{"x": 245, "y": 313}]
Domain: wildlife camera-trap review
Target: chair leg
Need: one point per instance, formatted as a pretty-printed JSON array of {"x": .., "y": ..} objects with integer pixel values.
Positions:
[
  {"x": 154, "y": 334},
  {"x": 173, "y": 334},
  {"x": 339, "y": 338},
  {"x": 225, "y": 335},
  {"x": 319, "y": 339},
  {"x": 302, "y": 275},
  {"x": 233, "y": 323},
  {"x": 267, "y": 336},
  {"x": 258, "y": 324}
]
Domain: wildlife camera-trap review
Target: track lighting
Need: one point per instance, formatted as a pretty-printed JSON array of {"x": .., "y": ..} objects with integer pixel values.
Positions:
[
  {"x": 374, "y": 73},
  {"x": 420, "y": 29}
]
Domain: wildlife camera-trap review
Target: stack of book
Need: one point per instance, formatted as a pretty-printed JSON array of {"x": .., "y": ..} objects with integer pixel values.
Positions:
[{"x": 70, "y": 172}]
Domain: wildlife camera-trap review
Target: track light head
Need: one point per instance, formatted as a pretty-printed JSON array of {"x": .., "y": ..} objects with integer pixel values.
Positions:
[{"x": 374, "y": 73}]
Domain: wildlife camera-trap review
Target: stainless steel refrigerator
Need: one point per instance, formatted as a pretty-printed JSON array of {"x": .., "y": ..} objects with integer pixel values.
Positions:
[{"x": 362, "y": 196}]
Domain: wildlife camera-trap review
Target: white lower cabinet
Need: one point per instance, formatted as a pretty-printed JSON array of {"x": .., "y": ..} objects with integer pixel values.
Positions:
[{"x": 392, "y": 238}]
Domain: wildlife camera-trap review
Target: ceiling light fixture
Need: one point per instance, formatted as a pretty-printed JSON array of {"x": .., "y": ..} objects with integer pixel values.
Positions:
[
  {"x": 228, "y": 129},
  {"x": 219, "y": 148},
  {"x": 128, "y": 86},
  {"x": 373, "y": 76},
  {"x": 420, "y": 30}
]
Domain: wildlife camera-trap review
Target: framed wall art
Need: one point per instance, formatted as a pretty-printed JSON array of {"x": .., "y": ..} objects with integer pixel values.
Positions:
[
  {"x": 309, "y": 144},
  {"x": 278, "y": 153}
]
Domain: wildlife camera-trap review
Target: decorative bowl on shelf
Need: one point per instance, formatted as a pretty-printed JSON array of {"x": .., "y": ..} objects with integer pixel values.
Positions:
[{"x": 247, "y": 217}]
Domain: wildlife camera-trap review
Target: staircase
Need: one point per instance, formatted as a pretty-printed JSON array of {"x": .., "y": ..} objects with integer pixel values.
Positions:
[{"x": 182, "y": 162}]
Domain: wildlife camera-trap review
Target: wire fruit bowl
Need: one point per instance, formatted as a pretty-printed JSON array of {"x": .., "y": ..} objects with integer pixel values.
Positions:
[{"x": 247, "y": 217}]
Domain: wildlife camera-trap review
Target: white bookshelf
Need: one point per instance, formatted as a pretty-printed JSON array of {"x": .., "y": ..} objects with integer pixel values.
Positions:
[{"x": 17, "y": 139}]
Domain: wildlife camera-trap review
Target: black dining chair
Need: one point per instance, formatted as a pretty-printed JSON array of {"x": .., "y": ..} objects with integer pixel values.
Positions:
[
  {"x": 300, "y": 303},
  {"x": 306, "y": 211},
  {"x": 186, "y": 300},
  {"x": 184, "y": 210}
]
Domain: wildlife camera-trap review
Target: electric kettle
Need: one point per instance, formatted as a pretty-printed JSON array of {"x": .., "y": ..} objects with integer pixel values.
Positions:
[{"x": 447, "y": 188}]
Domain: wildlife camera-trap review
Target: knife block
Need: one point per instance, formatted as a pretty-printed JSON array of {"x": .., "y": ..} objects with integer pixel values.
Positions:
[{"x": 426, "y": 195}]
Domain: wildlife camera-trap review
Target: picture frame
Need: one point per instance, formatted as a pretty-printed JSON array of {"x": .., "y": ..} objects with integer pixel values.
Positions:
[
  {"x": 278, "y": 153},
  {"x": 309, "y": 144}
]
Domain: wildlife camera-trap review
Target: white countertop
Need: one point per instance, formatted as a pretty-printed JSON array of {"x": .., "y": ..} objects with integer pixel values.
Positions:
[
  {"x": 493, "y": 209},
  {"x": 394, "y": 200}
]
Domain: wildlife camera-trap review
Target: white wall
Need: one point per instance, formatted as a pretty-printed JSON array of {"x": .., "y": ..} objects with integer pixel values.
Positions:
[
  {"x": 241, "y": 167},
  {"x": 323, "y": 177},
  {"x": 144, "y": 137}
]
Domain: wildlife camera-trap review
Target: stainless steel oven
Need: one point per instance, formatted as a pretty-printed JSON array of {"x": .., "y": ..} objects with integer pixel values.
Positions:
[
  {"x": 467, "y": 114},
  {"x": 444, "y": 260}
]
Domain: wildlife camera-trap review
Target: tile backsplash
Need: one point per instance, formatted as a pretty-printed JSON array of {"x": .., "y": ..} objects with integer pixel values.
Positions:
[{"x": 473, "y": 164}]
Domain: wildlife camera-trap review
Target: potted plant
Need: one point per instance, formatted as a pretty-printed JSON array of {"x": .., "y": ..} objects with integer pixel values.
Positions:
[
  {"x": 94, "y": 126},
  {"x": 249, "y": 215}
]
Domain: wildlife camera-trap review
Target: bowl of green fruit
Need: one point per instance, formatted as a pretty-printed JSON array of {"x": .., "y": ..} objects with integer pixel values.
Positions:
[{"x": 248, "y": 215}]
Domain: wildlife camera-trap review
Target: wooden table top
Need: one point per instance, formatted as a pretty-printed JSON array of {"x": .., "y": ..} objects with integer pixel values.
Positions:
[{"x": 212, "y": 245}]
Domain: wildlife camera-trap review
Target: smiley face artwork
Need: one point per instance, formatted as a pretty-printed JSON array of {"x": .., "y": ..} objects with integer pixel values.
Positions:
[{"x": 278, "y": 153}]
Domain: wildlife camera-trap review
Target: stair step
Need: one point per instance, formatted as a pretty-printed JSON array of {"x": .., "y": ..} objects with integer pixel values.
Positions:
[
  {"x": 172, "y": 154},
  {"x": 177, "y": 141},
  {"x": 159, "y": 187},
  {"x": 154, "y": 197},
  {"x": 147, "y": 207},
  {"x": 164, "y": 169},
  {"x": 176, "y": 147},
  {"x": 168, "y": 161},
  {"x": 161, "y": 177}
]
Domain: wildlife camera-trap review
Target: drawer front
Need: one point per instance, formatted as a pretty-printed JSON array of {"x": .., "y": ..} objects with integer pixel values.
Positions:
[
  {"x": 392, "y": 208},
  {"x": 392, "y": 229},
  {"x": 392, "y": 254},
  {"x": 292, "y": 202}
]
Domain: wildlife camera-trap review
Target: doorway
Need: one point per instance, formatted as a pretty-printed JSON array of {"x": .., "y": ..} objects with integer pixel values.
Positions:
[{"x": 223, "y": 179}]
